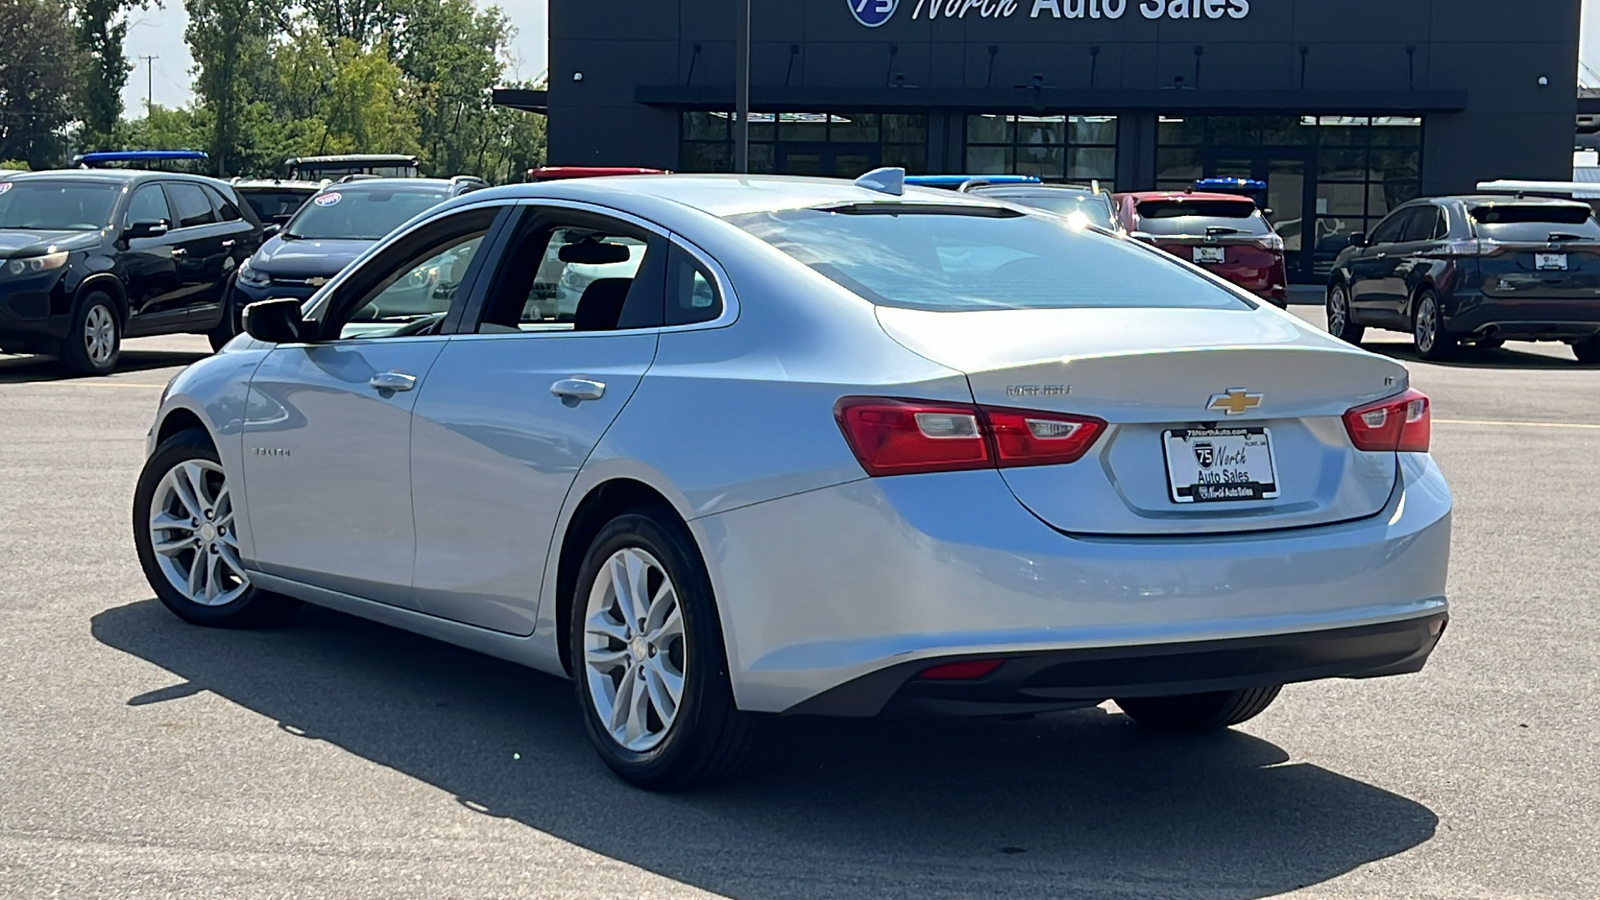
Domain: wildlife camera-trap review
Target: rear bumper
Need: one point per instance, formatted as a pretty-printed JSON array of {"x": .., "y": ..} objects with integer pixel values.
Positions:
[
  {"x": 1524, "y": 318},
  {"x": 820, "y": 589},
  {"x": 1031, "y": 682}
]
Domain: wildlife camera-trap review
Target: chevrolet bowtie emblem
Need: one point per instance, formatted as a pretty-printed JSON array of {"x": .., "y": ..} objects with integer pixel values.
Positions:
[
  {"x": 316, "y": 281},
  {"x": 1234, "y": 401}
]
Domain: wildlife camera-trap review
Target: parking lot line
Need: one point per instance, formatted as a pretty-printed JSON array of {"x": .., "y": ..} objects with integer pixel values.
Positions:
[{"x": 1515, "y": 424}]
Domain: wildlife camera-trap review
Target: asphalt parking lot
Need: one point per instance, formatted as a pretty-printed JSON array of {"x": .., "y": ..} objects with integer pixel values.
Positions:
[{"x": 334, "y": 758}]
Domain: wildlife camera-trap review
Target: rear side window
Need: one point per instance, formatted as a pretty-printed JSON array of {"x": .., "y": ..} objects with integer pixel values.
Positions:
[
  {"x": 1424, "y": 224},
  {"x": 224, "y": 207},
  {"x": 191, "y": 205},
  {"x": 1198, "y": 218},
  {"x": 988, "y": 259},
  {"x": 692, "y": 294},
  {"x": 1535, "y": 223}
]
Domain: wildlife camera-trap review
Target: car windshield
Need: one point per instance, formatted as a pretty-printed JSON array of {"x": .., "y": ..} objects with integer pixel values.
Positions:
[
  {"x": 274, "y": 204},
  {"x": 1536, "y": 223},
  {"x": 1197, "y": 218},
  {"x": 950, "y": 258},
  {"x": 57, "y": 205},
  {"x": 359, "y": 214},
  {"x": 1065, "y": 203}
]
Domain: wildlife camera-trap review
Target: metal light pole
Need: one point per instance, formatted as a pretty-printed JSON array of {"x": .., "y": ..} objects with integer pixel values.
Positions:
[
  {"x": 149, "y": 81},
  {"x": 741, "y": 87}
]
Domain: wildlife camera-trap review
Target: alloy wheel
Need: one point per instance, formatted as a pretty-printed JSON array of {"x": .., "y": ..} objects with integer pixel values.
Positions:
[
  {"x": 1338, "y": 311},
  {"x": 634, "y": 652},
  {"x": 99, "y": 334},
  {"x": 192, "y": 533},
  {"x": 1427, "y": 327}
]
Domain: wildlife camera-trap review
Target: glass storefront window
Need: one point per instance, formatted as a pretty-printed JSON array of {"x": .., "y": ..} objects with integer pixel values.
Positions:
[
  {"x": 1052, "y": 148},
  {"x": 841, "y": 144}
]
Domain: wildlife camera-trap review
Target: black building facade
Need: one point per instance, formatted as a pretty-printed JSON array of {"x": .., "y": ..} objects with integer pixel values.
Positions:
[{"x": 1344, "y": 107}]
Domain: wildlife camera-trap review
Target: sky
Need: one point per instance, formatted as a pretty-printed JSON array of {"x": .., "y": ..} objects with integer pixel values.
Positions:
[{"x": 159, "y": 32}]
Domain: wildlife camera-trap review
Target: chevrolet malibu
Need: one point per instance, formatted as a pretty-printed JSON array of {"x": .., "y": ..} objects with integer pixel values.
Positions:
[{"x": 718, "y": 448}]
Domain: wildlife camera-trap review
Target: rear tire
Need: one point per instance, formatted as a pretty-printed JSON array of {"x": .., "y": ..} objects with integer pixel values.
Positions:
[
  {"x": 629, "y": 655},
  {"x": 94, "y": 343},
  {"x": 1199, "y": 712},
  {"x": 1340, "y": 324},
  {"x": 183, "y": 530},
  {"x": 1427, "y": 329},
  {"x": 1587, "y": 352}
]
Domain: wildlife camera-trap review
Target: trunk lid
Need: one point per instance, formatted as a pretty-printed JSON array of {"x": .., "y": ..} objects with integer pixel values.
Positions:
[
  {"x": 1537, "y": 250},
  {"x": 1154, "y": 375}
]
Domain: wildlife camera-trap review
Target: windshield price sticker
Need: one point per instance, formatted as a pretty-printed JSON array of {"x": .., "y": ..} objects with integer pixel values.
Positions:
[
  {"x": 1207, "y": 465},
  {"x": 328, "y": 199}
]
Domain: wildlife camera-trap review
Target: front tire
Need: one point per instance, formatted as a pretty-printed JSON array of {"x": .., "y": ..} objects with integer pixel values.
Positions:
[
  {"x": 94, "y": 343},
  {"x": 184, "y": 532},
  {"x": 1587, "y": 352},
  {"x": 1340, "y": 325},
  {"x": 648, "y": 659},
  {"x": 1427, "y": 329},
  {"x": 1200, "y": 712}
]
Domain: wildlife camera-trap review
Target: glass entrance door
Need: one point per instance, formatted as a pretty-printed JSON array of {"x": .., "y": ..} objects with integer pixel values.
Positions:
[
  {"x": 837, "y": 160},
  {"x": 1284, "y": 172}
]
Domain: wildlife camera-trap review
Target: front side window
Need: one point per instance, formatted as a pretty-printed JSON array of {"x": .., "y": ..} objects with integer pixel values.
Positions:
[
  {"x": 416, "y": 296},
  {"x": 359, "y": 214},
  {"x": 947, "y": 258},
  {"x": 57, "y": 205},
  {"x": 582, "y": 276},
  {"x": 191, "y": 205},
  {"x": 149, "y": 204},
  {"x": 1389, "y": 230}
]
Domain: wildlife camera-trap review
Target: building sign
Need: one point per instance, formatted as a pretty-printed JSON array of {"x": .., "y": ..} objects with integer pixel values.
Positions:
[{"x": 873, "y": 13}]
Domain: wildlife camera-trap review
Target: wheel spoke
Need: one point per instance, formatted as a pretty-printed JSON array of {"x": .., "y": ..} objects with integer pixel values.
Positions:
[
  {"x": 621, "y": 703},
  {"x": 231, "y": 560},
  {"x": 638, "y": 592},
  {"x": 671, "y": 627},
  {"x": 196, "y": 478},
  {"x": 668, "y": 684},
  {"x": 185, "y": 493},
  {"x": 173, "y": 546},
  {"x": 197, "y": 575},
  {"x": 638, "y": 708},
  {"x": 601, "y": 625},
  {"x": 606, "y": 660}
]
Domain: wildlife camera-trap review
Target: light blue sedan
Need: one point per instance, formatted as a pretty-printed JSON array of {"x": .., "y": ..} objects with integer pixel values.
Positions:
[{"x": 806, "y": 446}]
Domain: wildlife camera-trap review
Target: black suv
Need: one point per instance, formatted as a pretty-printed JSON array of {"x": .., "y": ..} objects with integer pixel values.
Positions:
[
  {"x": 88, "y": 257},
  {"x": 1479, "y": 269}
]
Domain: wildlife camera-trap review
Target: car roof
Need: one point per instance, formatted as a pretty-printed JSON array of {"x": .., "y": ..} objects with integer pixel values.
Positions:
[
  {"x": 1508, "y": 199},
  {"x": 112, "y": 176},
  {"x": 1035, "y": 190},
  {"x": 720, "y": 195},
  {"x": 364, "y": 184},
  {"x": 1142, "y": 196},
  {"x": 271, "y": 183}
]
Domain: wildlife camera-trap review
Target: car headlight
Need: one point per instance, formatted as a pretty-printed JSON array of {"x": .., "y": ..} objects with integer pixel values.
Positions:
[
  {"x": 32, "y": 265},
  {"x": 253, "y": 277}
]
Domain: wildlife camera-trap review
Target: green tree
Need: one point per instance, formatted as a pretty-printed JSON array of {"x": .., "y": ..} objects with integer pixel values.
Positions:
[
  {"x": 450, "y": 51},
  {"x": 41, "y": 73},
  {"x": 364, "y": 108},
  {"x": 101, "y": 27},
  {"x": 233, "y": 62}
]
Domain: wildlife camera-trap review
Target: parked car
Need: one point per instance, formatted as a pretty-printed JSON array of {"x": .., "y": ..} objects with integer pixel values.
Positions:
[
  {"x": 1070, "y": 200},
  {"x": 562, "y": 173},
  {"x": 334, "y": 167},
  {"x": 93, "y": 256},
  {"x": 957, "y": 182},
  {"x": 334, "y": 227},
  {"x": 1480, "y": 268},
  {"x": 822, "y": 447},
  {"x": 274, "y": 200},
  {"x": 1222, "y": 233}
]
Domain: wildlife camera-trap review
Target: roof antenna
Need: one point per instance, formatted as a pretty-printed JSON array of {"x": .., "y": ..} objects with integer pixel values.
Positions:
[{"x": 887, "y": 180}]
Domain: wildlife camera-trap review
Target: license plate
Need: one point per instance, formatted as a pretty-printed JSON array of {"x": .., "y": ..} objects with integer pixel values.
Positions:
[
  {"x": 1210, "y": 254},
  {"x": 1546, "y": 262},
  {"x": 1211, "y": 465}
]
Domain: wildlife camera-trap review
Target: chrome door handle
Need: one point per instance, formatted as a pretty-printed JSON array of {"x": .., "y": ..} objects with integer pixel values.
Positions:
[
  {"x": 573, "y": 391},
  {"x": 179, "y": 251},
  {"x": 393, "y": 381},
  {"x": 229, "y": 243}
]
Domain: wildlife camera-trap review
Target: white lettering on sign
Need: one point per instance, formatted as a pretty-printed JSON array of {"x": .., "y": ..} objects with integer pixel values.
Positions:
[
  {"x": 960, "y": 9},
  {"x": 1194, "y": 9},
  {"x": 1071, "y": 9}
]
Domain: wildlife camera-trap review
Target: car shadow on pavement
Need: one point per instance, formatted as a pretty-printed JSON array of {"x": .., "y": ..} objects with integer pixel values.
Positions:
[
  {"x": 1480, "y": 357},
  {"x": 1080, "y": 804},
  {"x": 23, "y": 369}
]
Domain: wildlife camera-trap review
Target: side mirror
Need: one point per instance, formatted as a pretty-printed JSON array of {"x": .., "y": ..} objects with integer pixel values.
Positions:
[
  {"x": 270, "y": 231},
  {"x": 145, "y": 228},
  {"x": 275, "y": 321},
  {"x": 1358, "y": 238}
]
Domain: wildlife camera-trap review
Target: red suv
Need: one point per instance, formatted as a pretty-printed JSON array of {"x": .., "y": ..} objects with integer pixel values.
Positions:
[{"x": 1223, "y": 233}]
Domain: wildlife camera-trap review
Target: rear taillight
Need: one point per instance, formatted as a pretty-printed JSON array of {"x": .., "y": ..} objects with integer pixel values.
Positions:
[
  {"x": 1468, "y": 247},
  {"x": 962, "y": 670},
  {"x": 1271, "y": 242},
  {"x": 1401, "y": 422},
  {"x": 891, "y": 436}
]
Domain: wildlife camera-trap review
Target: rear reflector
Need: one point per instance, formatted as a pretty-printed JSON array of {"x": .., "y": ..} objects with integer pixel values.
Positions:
[
  {"x": 1402, "y": 423},
  {"x": 957, "y": 671},
  {"x": 892, "y": 436}
]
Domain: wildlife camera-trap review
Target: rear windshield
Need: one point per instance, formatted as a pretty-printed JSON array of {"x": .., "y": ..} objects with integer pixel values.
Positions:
[
  {"x": 1538, "y": 224},
  {"x": 1092, "y": 206},
  {"x": 57, "y": 205},
  {"x": 274, "y": 204},
  {"x": 1201, "y": 217},
  {"x": 359, "y": 213},
  {"x": 959, "y": 261}
]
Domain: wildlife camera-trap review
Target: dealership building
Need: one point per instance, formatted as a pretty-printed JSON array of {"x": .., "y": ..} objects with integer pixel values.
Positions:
[{"x": 1344, "y": 108}]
